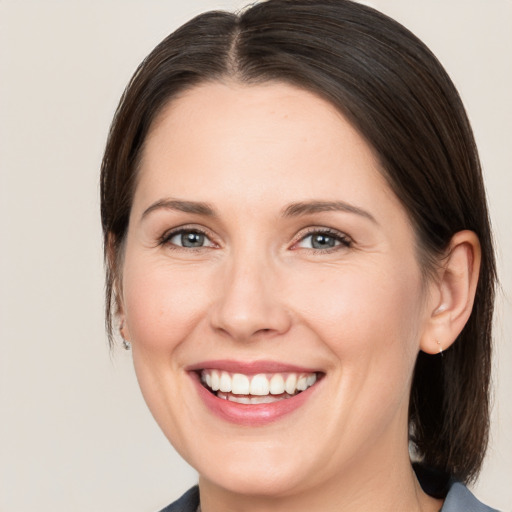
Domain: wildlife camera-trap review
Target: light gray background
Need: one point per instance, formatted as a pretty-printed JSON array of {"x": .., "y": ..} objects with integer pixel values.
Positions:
[{"x": 74, "y": 431}]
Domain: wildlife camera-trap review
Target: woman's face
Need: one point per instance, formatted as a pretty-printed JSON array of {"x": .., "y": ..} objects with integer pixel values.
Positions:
[{"x": 267, "y": 255}]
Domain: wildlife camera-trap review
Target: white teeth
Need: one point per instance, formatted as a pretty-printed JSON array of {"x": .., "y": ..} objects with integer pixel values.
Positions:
[
  {"x": 239, "y": 399},
  {"x": 225, "y": 382},
  {"x": 268, "y": 399},
  {"x": 291, "y": 383},
  {"x": 215, "y": 380},
  {"x": 248, "y": 399},
  {"x": 240, "y": 384},
  {"x": 302, "y": 383},
  {"x": 277, "y": 384},
  {"x": 262, "y": 387}
]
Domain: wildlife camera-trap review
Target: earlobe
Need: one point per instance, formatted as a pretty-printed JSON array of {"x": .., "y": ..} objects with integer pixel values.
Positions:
[
  {"x": 124, "y": 336},
  {"x": 122, "y": 328},
  {"x": 455, "y": 293}
]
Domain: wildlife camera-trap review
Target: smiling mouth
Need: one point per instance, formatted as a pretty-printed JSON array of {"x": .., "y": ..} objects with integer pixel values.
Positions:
[{"x": 262, "y": 388}]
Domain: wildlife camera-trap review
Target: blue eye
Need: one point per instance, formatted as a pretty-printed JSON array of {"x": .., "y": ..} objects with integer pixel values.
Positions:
[
  {"x": 323, "y": 240},
  {"x": 189, "y": 239}
]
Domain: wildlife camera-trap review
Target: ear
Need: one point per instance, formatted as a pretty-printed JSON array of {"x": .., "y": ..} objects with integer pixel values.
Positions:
[
  {"x": 452, "y": 294},
  {"x": 112, "y": 260},
  {"x": 123, "y": 329}
]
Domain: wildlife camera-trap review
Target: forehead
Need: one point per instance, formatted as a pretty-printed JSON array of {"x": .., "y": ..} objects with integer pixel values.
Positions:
[
  {"x": 274, "y": 126},
  {"x": 218, "y": 109},
  {"x": 270, "y": 141}
]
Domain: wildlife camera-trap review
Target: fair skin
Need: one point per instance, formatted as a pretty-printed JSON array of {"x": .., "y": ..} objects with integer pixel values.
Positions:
[{"x": 263, "y": 239}]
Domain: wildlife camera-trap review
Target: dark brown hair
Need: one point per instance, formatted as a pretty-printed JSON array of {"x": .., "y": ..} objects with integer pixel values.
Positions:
[{"x": 400, "y": 99}]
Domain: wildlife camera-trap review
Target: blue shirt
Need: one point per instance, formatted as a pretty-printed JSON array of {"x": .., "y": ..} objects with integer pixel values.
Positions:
[{"x": 458, "y": 499}]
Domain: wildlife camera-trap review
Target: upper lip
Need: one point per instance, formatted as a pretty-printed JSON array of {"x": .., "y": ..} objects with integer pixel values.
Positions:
[{"x": 250, "y": 367}]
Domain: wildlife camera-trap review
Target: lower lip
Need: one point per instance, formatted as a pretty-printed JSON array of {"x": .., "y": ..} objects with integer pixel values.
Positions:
[{"x": 252, "y": 415}]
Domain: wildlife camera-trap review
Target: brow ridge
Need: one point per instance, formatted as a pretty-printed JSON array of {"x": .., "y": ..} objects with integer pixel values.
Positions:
[
  {"x": 292, "y": 210},
  {"x": 311, "y": 207},
  {"x": 195, "y": 207}
]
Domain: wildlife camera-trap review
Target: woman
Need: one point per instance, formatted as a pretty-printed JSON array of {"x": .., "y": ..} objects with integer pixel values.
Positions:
[{"x": 299, "y": 254}]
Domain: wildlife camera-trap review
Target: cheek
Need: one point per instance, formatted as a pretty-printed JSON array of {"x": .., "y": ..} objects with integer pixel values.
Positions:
[
  {"x": 369, "y": 320},
  {"x": 162, "y": 304},
  {"x": 362, "y": 312}
]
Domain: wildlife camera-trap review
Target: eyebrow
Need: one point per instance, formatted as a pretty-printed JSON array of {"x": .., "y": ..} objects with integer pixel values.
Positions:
[
  {"x": 292, "y": 210},
  {"x": 194, "y": 207},
  {"x": 310, "y": 207}
]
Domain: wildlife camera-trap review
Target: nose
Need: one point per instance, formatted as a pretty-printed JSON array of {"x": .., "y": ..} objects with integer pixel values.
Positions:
[{"x": 249, "y": 304}]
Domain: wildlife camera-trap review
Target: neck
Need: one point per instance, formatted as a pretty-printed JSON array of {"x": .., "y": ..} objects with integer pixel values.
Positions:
[
  {"x": 382, "y": 479},
  {"x": 404, "y": 496}
]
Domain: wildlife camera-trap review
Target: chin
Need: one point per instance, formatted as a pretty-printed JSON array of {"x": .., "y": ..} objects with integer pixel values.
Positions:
[
  {"x": 267, "y": 481},
  {"x": 270, "y": 468}
]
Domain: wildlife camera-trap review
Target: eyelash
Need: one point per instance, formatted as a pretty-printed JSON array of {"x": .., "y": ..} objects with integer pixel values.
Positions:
[
  {"x": 169, "y": 235},
  {"x": 344, "y": 240}
]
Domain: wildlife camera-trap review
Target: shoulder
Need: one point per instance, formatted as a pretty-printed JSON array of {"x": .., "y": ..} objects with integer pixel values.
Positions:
[
  {"x": 187, "y": 503},
  {"x": 460, "y": 499}
]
